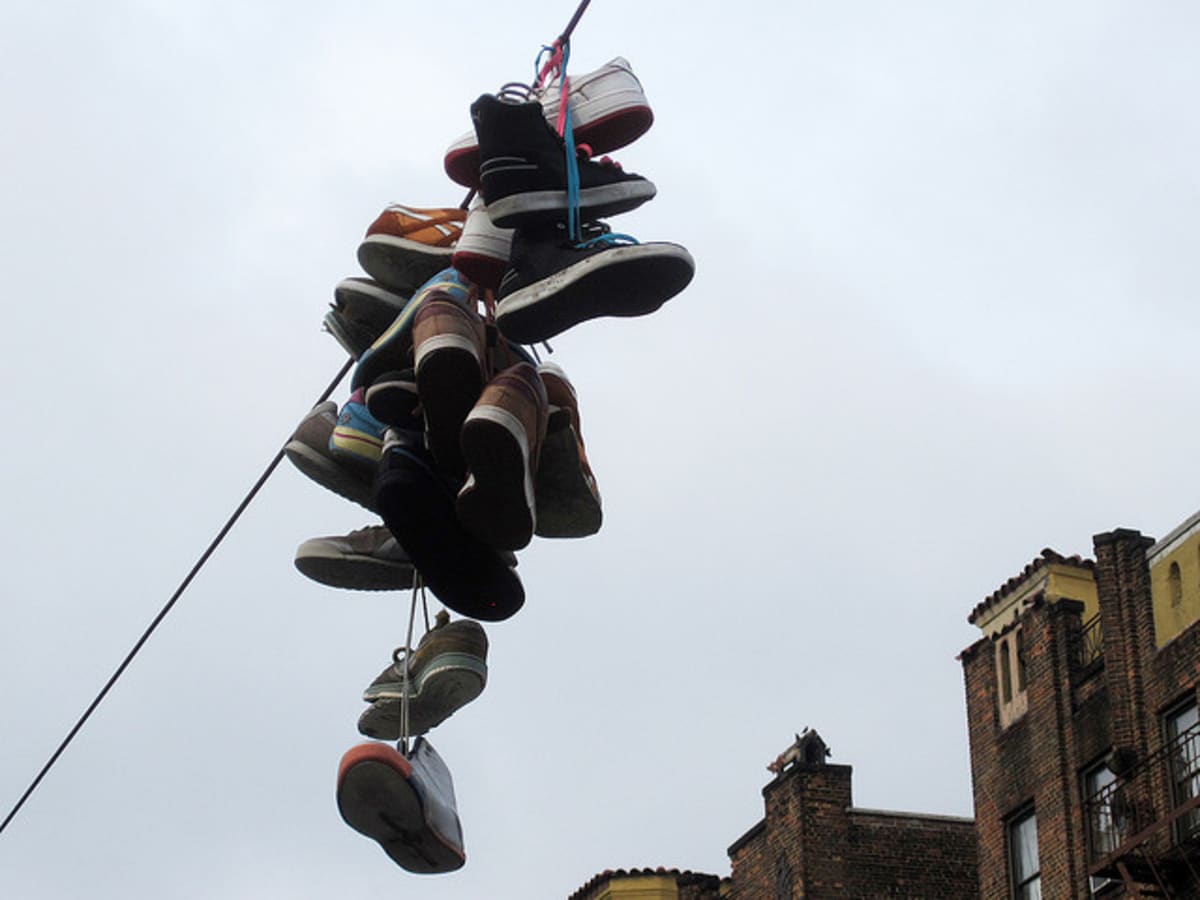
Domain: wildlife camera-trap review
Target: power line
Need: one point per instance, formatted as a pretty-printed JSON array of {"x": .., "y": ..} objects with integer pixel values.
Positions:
[
  {"x": 262, "y": 479},
  {"x": 162, "y": 614}
]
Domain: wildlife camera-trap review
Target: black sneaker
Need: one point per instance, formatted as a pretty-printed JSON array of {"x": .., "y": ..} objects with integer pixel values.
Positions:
[
  {"x": 354, "y": 337},
  {"x": 417, "y": 505},
  {"x": 392, "y": 399},
  {"x": 553, "y": 283},
  {"x": 362, "y": 310},
  {"x": 523, "y": 170}
]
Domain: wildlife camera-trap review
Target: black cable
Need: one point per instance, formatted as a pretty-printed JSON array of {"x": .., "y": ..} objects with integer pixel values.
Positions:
[
  {"x": 566, "y": 35},
  {"x": 562, "y": 39},
  {"x": 162, "y": 614},
  {"x": 166, "y": 609}
]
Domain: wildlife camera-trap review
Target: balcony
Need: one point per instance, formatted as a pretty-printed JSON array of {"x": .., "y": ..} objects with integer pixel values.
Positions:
[
  {"x": 1088, "y": 646},
  {"x": 1145, "y": 826}
]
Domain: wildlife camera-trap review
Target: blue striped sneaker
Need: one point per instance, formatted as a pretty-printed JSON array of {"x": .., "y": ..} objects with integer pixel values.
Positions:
[
  {"x": 392, "y": 350},
  {"x": 358, "y": 436}
]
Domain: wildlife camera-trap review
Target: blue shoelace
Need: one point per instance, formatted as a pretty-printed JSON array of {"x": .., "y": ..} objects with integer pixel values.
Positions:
[
  {"x": 607, "y": 240},
  {"x": 574, "y": 222}
]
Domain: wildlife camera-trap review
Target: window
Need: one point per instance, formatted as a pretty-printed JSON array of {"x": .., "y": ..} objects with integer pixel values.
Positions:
[
  {"x": 1005, "y": 673},
  {"x": 783, "y": 880},
  {"x": 1010, "y": 677},
  {"x": 1107, "y": 819},
  {"x": 1175, "y": 585},
  {"x": 1183, "y": 743},
  {"x": 1020, "y": 660},
  {"x": 1023, "y": 857}
]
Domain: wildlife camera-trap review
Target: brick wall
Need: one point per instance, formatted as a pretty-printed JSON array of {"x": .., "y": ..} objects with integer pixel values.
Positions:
[
  {"x": 896, "y": 855},
  {"x": 1076, "y": 717},
  {"x": 1033, "y": 763},
  {"x": 813, "y": 844}
]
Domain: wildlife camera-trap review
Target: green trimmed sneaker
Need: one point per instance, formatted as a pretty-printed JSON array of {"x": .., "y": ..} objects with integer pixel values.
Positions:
[{"x": 446, "y": 672}]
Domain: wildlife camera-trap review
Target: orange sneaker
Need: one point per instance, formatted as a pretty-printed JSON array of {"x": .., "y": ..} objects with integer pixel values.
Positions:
[{"x": 406, "y": 246}]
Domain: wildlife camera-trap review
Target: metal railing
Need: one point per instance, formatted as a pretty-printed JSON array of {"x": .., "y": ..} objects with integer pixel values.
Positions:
[
  {"x": 1126, "y": 812},
  {"x": 1088, "y": 643}
]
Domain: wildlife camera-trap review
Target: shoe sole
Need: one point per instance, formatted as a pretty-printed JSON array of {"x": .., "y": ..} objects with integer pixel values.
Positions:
[
  {"x": 544, "y": 207},
  {"x": 400, "y": 264},
  {"x": 497, "y": 503},
  {"x": 622, "y": 282},
  {"x": 463, "y": 574},
  {"x": 482, "y": 256},
  {"x": 485, "y": 271},
  {"x": 344, "y": 334},
  {"x": 614, "y": 125},
  {"x": 393, "y": 402},
  {"x": 371, "y": 304},
  {"x": 352, "y": 571},
  {"x": 567, "y": 507},
  {"x": 449, "y": 382},
  {"x": 378, "y": 800},
  {"x": 329, "y": 474},
  {"x": 449, "y": 683}
]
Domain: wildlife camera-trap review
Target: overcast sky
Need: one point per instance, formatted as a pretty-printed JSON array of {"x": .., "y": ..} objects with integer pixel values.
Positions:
[{"x": 943, "y": 317}]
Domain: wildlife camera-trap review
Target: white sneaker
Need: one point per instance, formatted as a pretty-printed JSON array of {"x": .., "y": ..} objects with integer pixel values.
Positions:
[
  {"x": 608, "y": 110},
  {"x": 482, "y": 250}
]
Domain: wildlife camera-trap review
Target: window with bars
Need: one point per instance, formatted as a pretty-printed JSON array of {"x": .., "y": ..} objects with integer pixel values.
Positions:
[
  {"x": 1182, "y": 726},
  {"x": 1107, "y": 821}
]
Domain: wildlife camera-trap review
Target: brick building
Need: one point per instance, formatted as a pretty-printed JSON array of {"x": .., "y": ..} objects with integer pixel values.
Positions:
[
  {"x": 1085, "y": 757},
  {"x": 812, "y": 842},
  {"x": 1082, "y": 716}
]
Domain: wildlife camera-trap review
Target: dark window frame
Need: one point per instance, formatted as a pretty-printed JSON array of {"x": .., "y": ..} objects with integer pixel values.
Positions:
[{"x": 1027, "y": 885}]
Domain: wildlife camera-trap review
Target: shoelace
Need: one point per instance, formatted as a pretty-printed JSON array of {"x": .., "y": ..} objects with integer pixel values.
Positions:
[
  {"x": 556, "y": 57},
  {"x": 612, "y": 239},
  {"x": 598, "y": 234},
  {"x": 514, "y": 92},
  {"x": 551, "y": 62}
]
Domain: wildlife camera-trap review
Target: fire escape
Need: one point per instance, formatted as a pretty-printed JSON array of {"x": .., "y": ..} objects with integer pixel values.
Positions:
[{"x": 1143, "y": 826}]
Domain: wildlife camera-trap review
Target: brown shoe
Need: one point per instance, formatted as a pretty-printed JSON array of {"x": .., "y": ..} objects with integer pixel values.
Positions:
[
  {"x": 501, "y": 442},
  {"x": 568, "y": 500},
  {"x": 448, "y": 349}
]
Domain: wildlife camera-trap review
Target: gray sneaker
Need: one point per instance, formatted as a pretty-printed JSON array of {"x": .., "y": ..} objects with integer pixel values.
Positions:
[
  {"x": 369, "y": 559},
  {"x": 309, "y": 452},
  {"x": 447, "y": 671}
]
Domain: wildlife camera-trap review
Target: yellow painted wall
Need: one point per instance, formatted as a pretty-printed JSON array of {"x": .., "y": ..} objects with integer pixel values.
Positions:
[
  {"x": 640, "y": 887},
  {"x": 1053, "y": 581},
  {"x": 1171, "y": 618},
  {"x": 1073, "y": 584}
]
